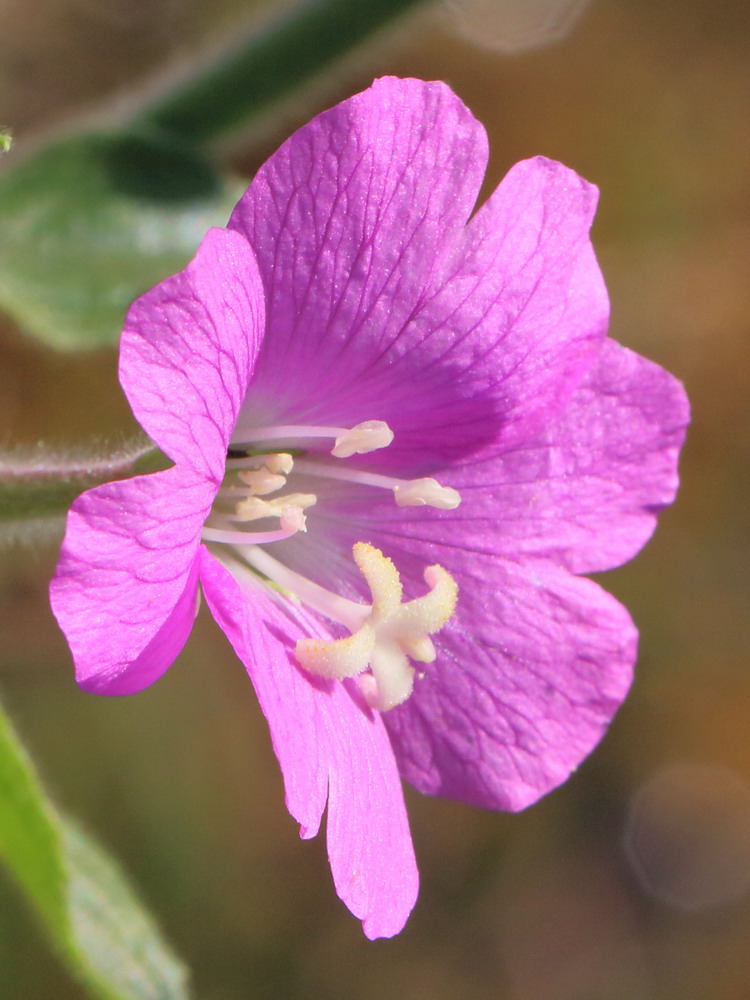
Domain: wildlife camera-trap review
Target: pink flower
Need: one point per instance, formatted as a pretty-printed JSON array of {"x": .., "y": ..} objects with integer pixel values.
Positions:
[{"x": 331, "y": 375}]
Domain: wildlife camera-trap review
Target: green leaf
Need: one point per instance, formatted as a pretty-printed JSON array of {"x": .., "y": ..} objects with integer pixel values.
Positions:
[
  {"x": 103, "y": 934},
  {"x": 93, "y": 222},
  {"x": 284, "y": 54}
]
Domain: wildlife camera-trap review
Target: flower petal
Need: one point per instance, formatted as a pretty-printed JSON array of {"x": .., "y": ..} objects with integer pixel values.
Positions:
[
  {"x": 349, "y": 221},
  {"x": 125, "y": 591},
  {"x": 522, "y": 689},
  {"x": 585, "y": 492},
  {"x": 522, "y": 316},
  {"x": 329, "y": 744},
  {"x": 384, "y": 304},
  {"x": 188, "y": 350}
]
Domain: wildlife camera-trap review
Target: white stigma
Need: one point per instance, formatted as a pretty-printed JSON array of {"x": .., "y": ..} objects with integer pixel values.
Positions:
[{"x": 390, "y": 634}]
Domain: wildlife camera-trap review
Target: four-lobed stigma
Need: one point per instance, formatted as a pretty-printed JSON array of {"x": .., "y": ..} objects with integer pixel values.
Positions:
[{"x": 391, "y": 633}]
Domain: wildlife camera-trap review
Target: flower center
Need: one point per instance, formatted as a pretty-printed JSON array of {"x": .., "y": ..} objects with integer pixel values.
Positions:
[{"x": 384, "y": 634}]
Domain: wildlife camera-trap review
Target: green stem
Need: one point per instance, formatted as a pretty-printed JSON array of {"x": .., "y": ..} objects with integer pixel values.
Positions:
[
  {"x": 268, "y": 66},
  {"x": 43, "y": 485}
]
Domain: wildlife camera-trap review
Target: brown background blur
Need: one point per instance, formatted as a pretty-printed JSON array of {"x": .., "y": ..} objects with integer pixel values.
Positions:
[{"x": 630, "y": 882}]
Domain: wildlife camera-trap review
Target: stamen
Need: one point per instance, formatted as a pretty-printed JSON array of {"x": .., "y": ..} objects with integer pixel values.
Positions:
[
  {"x": 227, "y": 537},
  {"x": 365, "y": 437},
  {"x": 386, "y": 634},
  {"x": 279, "y": 462},
  {"x": 293, "y": 518},
  {"x": 253, "y": 508},
  {"x": 261, "y": 481},
  {"x": 407, "y": 492},
  {"x": 426, "y": 493}
]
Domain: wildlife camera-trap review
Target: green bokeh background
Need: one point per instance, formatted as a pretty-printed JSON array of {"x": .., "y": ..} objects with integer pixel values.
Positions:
[{"x": 650, "y": 100}]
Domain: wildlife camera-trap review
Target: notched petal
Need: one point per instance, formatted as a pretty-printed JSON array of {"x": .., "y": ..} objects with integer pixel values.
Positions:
[
  {"x": 125, "y": 590},
  {"x": 521, "y": 692},
  {"x": 189, "y": 348},
  {"x": 330, "y": 746}
]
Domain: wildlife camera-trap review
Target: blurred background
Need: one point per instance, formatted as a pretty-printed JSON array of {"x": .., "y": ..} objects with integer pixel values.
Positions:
[{"x": 631, "y": 881}]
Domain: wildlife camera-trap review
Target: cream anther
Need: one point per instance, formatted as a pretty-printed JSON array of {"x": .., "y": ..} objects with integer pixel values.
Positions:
[
  {"x": 406, "y": 492},
  {"x": 253, "y": 508},
  {"x": 367, "y": 436},
  {"x": 390, "y": 633},
  {"x": 261, "y": 481},
  {"x": 363, "y": 438},
  {"x": 280, "y": 462},
  {"x": 426, "y": 493},
  {"x": 293, "y": 518}
]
